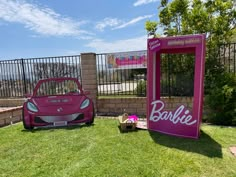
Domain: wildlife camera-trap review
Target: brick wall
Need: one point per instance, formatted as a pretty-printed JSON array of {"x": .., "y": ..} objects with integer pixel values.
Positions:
[
  {"x": 9, "y": 116},
  {"x": 89, "y": 75},
  {"x": 116, "y": 106}
]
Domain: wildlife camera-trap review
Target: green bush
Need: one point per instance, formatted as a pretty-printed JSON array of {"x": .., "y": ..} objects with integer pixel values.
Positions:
[
  {"x": 141, "y": 88},
  {"x": 221, "y": 100}
]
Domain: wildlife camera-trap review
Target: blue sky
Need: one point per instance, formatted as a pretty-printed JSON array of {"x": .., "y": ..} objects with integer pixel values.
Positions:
[{"x": 37, "y": 28}]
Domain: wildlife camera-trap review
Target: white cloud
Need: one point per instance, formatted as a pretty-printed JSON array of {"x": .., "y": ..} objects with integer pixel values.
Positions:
[
  {"x": 133, "y": 44},
  {"x": 118, "y": 24},
  {"x": 133, "y": 21},
  {"x": 111, "y": 22},
  {"x": 142, "y": 2},
  {"x": 39, "y": 19}
]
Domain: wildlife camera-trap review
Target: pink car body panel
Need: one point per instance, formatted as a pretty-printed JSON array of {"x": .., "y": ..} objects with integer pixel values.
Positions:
[{"x": 53, "y": 109}]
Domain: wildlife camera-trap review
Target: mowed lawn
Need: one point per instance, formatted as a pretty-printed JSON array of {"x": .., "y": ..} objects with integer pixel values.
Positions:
[{"x": 102, "y": 150}]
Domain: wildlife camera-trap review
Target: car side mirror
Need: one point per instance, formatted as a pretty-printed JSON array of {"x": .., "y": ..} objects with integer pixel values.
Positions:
[
  {"x": 28, "y": 95},
  {"x": 86, "y": 92}
]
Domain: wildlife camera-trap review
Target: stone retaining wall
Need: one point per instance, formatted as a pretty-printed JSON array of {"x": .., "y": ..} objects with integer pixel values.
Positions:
[{"x": 9, "y": 116}]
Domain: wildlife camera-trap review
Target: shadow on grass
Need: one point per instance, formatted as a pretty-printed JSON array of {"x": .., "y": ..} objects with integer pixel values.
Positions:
[
  {"x": 205, "y": 145},
  {"x": 52, "y": 128}
]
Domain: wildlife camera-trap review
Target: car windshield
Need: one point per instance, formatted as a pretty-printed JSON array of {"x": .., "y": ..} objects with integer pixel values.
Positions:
[{"x": 53, "y": 87}]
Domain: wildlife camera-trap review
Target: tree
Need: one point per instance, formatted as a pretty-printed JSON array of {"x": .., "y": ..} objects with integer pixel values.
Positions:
[
  {"x": 216, "y": 18},
  {"x": 151, "y": 27},
  {"x": 233, "y": 39}
]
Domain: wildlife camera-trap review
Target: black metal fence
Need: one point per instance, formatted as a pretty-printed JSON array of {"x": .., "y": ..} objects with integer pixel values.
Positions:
[
  {"x": 117, "y": 76},
  {"x": 121, "y": 73},
  {"x": 125, "y": 74},
  {"x": 227, "y": 56},
  {"x": 19, "y": 76},
  {"x": 177, "y": 74}
]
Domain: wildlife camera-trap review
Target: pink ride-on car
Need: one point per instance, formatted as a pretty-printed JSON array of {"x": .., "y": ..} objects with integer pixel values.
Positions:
[{"x": 57, "y": 102}]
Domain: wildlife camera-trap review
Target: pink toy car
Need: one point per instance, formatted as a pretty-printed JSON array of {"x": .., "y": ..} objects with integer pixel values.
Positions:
[{"x": 57, "y": 102}]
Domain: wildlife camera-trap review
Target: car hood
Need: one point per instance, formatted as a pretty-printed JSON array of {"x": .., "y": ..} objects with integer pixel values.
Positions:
[{"x": 68, "y": 104}]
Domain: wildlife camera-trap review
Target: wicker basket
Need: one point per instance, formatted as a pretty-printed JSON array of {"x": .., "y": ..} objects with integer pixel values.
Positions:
[{"x": 125, "y": 125}]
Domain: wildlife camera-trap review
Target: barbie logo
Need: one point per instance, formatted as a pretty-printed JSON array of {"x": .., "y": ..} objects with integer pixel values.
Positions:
[
  {"x": 154, "y": 44},
  {"x": 180, "y": 115}
]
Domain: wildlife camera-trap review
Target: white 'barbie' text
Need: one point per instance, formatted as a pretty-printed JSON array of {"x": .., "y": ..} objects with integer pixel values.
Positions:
[{"x": 177, "y": 116}]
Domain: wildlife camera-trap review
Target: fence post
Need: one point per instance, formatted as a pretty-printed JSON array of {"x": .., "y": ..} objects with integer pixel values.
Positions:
[
  {"x": 23, "y": 76},
  {"x": 89, "y": 75}
]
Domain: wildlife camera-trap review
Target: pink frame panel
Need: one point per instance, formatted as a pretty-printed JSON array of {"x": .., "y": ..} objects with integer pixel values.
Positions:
[{"x": 180, "y": 122}]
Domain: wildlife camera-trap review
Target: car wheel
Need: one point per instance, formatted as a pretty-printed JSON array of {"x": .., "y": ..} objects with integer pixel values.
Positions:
[
  {"x": 91, "y": 122},
  {"x": 27, "y": 127}
]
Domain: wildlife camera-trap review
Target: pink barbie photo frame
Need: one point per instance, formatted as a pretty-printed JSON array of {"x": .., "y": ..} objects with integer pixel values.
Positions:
[{"x": 181, "y": 121}]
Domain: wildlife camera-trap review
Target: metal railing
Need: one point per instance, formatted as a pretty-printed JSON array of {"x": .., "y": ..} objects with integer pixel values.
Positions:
[
  {"x": 125, "y": 74},
  {"x": 121, "y": 73},
  {"x": 19, "y": 76},
  {"x": 227, "y": 56},
  {"x": 177, "y": 72}
]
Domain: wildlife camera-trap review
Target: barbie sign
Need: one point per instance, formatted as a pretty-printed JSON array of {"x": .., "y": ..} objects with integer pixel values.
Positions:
[
  {"x": 180, "y": 115},
  {"x": 154, "y": 45},
  {"x": 180, "y": 121}
]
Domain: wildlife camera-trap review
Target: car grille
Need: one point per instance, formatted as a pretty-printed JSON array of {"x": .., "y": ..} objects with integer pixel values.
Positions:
[{"x": 51, "y": 119}]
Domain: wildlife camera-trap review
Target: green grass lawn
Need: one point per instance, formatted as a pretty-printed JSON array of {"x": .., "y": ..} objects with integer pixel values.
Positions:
[{"x": 101, "y": 150}]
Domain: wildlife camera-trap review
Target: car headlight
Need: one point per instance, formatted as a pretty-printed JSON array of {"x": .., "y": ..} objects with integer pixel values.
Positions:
[
  {"x": 32, "y": 107},
  {"x": 84, "y": 104}
]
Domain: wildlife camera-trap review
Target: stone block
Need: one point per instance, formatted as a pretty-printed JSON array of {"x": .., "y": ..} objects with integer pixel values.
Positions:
[{"x": 5, "y": 115}]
